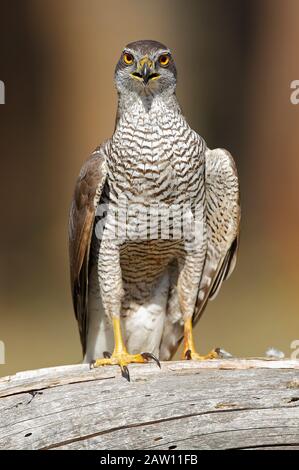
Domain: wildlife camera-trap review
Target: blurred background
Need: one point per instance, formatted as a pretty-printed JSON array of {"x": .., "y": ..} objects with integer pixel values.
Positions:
[{"x": 236, "y": 61}]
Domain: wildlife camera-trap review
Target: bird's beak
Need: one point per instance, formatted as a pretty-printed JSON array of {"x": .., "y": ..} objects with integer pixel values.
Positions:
[
  {"x": 145, "y": 71},
  {"x": 145, "y": 66}
]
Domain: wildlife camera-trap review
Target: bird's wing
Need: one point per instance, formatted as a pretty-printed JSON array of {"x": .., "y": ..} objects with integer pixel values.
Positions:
[
  {"x": 223, "y": 215},
  {"x": 222, "y": 219},
  {"x": 86, "y": 197}
]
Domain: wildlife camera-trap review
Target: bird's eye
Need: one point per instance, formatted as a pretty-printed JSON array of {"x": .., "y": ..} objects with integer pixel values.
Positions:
[
  {"x": 128, "y": 58},
  {"x": 164, "y": 60}
]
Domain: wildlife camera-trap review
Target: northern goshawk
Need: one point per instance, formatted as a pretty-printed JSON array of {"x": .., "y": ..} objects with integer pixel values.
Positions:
[{"x": 154, "y": 222}]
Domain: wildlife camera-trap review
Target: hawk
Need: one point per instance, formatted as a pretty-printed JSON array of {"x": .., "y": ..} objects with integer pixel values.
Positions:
[{"x": 139, "y": 296}]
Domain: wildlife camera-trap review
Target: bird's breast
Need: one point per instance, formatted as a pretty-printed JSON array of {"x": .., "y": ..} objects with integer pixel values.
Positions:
[{"x": 155, "y": 158}]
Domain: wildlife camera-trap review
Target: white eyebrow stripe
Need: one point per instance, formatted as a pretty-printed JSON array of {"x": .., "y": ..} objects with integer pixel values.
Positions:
[
  {"x": 129, "y": 51},
  {"x": 159, "y": 52},
  {"x": 164, "y": 51}
]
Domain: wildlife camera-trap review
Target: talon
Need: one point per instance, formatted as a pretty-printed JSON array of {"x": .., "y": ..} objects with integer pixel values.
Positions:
[
  {"x": 91, "y": 365},
  {"x": 123, "y": 359},
  {"x": 125, "y": 373},
  {"x": 147, "y": 356},
  {"x": 188, "y": 355},
  {"x": 189, "y": 347},
  {"x": 223, "y": 354},
  {"x": 192, "y": 355},
  {"x": 120, "y": 355}
]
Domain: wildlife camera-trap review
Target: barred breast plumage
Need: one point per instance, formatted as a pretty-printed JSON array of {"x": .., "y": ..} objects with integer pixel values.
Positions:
[{"x": 157, "y": 156}]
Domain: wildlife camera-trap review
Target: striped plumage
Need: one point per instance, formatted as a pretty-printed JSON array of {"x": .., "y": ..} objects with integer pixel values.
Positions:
[{"x": 153, "y": 160}]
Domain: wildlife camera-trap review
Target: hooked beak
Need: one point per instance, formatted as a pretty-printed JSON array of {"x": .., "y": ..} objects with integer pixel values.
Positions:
[{"x": 145, "y": 71}]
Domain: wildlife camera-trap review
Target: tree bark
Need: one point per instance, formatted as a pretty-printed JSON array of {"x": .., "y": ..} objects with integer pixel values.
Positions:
[{"x": 218, "y": 404}]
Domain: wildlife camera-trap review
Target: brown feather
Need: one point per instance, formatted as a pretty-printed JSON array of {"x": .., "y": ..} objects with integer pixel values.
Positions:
[{"x": 81, "y": 221}]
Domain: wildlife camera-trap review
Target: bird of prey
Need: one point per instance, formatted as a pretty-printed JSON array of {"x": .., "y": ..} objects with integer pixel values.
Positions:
[{"x": 136, "y": 292}]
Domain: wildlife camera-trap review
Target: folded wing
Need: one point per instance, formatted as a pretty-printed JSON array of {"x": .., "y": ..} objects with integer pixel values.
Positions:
[
  {"x": 88, "y": 190},
  {"x": 223, "y": 220}
]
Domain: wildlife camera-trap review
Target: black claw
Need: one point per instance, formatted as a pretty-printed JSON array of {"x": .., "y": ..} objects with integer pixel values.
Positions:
[
  {"x": 218, "y": 351},
  {"x": 91, "y": 365},
  {"x": 148, "y": 356},
  {"x": 107, "y": 354},
  {"x": 125, "y": 373},
  {"x": 188, "y": 355}
]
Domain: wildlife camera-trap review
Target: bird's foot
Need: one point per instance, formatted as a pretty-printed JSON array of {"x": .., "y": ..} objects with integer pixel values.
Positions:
[
  {"x": 194, "y": 356},
  {"x": 123, "y": 359}
]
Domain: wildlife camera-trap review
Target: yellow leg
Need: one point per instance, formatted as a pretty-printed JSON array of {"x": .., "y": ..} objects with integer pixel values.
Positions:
[
  {"x": 189, "y": 347},
  {"x": 120, "y": 354}
]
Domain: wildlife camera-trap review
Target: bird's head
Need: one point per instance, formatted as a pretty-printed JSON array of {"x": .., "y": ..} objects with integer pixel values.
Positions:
[{"x": 145, "y": 67}]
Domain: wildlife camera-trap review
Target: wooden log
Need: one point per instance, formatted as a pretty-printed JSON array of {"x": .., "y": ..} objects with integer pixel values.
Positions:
[{"x": 217, "y": 404}]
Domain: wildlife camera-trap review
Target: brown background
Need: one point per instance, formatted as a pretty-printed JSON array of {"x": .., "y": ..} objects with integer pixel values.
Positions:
[{"x": 236, "y": 61}]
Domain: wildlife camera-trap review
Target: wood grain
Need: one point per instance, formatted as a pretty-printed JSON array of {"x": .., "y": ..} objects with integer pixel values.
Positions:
[{"x": 219, "y": 404}]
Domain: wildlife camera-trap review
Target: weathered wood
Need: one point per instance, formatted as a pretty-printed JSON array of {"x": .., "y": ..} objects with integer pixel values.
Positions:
[{"x": 219, "y": 404}]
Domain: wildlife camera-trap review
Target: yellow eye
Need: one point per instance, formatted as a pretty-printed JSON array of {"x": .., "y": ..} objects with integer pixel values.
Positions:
[
  {"x": 128, "y": 58},
  {"x": 164, "y": 60}
]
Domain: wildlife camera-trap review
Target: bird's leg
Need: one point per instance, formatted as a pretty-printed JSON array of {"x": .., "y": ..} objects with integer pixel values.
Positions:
[
  {"x": 120, "y": 354},
  {"x": 188, "y": 282},
  {"x": 110, "y": 277},
  {"x": 112, "y": 293},
  {"x": 189, "y": 351}
]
